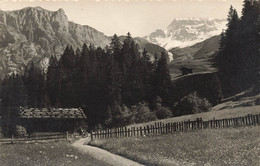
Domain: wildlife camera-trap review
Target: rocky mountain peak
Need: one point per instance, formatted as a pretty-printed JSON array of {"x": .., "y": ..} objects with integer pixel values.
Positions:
[
  {"x": 183, "y": 32},
  {"x": 34, "y": 34}
]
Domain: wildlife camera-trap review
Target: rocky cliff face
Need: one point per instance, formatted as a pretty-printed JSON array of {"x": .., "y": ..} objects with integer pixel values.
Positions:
[
  {"x": 34, "y": 34},
  {"x": 185, "y": 32}
]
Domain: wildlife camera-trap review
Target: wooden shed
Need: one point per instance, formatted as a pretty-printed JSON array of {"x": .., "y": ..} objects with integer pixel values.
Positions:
[{"x": 52, "y": 119}]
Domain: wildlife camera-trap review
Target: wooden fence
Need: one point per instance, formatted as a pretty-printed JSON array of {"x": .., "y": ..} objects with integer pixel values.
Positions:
[
  {"x": 36, "y": 137},
  {"x": 159, "y": 128}
]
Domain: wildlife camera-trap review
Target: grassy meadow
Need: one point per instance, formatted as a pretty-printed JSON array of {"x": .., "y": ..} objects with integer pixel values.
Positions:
[
  {"x": 230, "y": 146},
  {"x": 231, "y": 108},
  {"x": 55, "y": 153},
  {"x": 214, "y": 113}
]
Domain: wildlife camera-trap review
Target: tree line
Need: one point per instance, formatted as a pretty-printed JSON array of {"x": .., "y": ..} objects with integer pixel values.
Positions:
[{"x": 114, "y": 86}]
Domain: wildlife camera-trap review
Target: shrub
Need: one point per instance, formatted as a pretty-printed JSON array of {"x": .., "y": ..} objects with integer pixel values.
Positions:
[
  {"x": 142, "y": 113},
  {"x": 20, "y": 131},
  {"x": 118, "y": 116},
  {"x": 163, "y": 113},
  {"x": 191, "y": 104},
  {"x": 257, "y": 101}
]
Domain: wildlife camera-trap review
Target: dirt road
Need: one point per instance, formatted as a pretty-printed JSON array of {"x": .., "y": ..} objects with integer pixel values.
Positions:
[{"x": 103, "y": 155}]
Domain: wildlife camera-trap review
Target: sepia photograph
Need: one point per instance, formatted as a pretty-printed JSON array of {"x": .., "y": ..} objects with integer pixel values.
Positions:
[{"x": 129, "y": 83}]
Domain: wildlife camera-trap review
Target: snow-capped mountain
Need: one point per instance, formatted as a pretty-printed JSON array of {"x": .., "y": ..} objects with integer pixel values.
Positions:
[{"x": 183, "y": 32}]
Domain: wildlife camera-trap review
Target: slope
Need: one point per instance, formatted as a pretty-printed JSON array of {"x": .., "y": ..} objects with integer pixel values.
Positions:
[
  {"x": 198, "y": 57},
  {"x": 34, "y": 34}
]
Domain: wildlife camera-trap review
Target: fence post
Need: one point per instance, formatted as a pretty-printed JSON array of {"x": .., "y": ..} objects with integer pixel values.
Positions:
[
  {"x": 125, "y": 131},
  {"x": 159, "y": 128},
  {"x": 12, "y": 139},
  {"x": 67, "y": 136},
  {"x": 148, "y": 130},
  {"x": 141, "y": 132},
  {"x": 91, "y": 135},
  {"x": 162, "y": 128},
  {"x": 128, "y": 132},
  {"x": 155, "y": 128},
  {"x": 166, "y": 128}
]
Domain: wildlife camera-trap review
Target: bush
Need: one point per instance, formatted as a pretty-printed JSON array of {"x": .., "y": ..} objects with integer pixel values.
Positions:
[
  {"x": 20, "y": 131},
  {"x": 257, "y": 101},
  {"x": 142, "y": 113},
  {"x": 163, "y": 113},
  {"x": 120, "y": 116},
  {"x": 191, "y": 104}
]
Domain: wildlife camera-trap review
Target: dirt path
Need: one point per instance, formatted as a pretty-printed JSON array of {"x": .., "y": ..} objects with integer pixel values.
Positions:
[{"x": 103, "y": 155}]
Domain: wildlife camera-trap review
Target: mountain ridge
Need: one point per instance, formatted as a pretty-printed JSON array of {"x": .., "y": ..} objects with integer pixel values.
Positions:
[
  {"x": 184, "y": 32},
  {"x": 34, "y": 34},
  {"x": 199, "y": 57}
]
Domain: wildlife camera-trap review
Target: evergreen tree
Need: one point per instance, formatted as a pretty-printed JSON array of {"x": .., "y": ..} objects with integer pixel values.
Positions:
[
  {"x": 34, "y": 81},
  {"x": 162, "y": 81},
  {"x": 238, "y": 58},
  {"x": 52, "y": 81}
]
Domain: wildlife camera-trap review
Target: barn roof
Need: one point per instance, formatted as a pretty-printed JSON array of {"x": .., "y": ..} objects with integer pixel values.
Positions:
[{"x": 54, "y": 113}]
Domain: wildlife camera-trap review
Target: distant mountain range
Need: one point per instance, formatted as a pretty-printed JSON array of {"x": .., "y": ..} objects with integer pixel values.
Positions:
[
  {"x": 185, "y": 32},
  {"x": 34, "y": 34},
  {"x": 199, "y": 57}
]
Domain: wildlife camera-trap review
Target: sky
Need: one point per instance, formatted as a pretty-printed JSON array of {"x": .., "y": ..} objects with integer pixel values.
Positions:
[{"x": 139, "y": 17}]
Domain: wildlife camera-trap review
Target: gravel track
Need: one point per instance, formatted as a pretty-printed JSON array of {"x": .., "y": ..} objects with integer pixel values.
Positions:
[{"x": 103, "y": 155}]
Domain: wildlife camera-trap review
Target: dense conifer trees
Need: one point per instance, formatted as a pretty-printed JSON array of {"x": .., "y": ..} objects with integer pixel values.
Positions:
[
  {"x": 106, "y": 83},
  {"x": 238, "y": 59}
]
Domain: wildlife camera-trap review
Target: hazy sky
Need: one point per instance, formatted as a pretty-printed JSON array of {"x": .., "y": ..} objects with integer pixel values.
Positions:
[{"x": 139, "y": 17}]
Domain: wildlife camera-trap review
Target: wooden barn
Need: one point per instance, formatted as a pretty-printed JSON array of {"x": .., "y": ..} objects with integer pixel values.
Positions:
[
  {"x": 185, "y": 70},
  {"x": 52, "y": 119}
]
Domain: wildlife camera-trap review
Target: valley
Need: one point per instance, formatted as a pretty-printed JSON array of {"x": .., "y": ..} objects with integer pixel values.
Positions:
[{"x": 198, "y": 57}]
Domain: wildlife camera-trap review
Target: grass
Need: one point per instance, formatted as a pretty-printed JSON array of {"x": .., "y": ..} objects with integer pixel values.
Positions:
[
  {"x": 55, "y": 153},
  {"x": 231, "y": 108},
  {"x": 219, "y": 112},
  {"x": 231, "y": 146}
]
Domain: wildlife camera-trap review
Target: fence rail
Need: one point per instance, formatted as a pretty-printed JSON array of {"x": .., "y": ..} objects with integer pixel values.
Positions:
[
  {"x": 159, "y": 128},
  {"x": 35, "y": 137}
]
